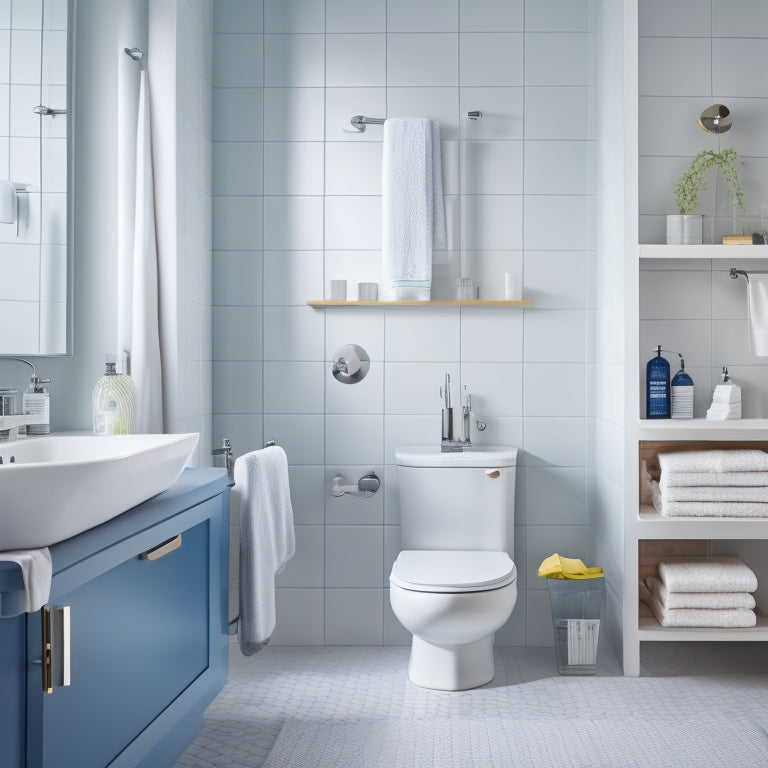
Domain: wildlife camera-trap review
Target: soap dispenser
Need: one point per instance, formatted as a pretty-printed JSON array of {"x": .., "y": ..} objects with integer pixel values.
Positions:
[
  {"x": 657, "y": 387},
  {"x": 37, "y": 401},
  {"x": 681, "y": 393},
  {"x": 114, "y": 402}
]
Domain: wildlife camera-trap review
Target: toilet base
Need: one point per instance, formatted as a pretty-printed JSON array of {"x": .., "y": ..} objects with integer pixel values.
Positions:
[{"x": 451, "y": 667}]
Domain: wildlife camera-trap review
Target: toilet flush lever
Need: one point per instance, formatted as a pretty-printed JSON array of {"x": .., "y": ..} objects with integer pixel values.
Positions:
[
  {"x": 492, "y": 473},
  {"x": 367, "y": 485}
]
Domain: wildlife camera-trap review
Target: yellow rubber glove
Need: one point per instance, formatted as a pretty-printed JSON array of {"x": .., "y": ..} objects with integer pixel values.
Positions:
[{"x": 559, "y": 567}]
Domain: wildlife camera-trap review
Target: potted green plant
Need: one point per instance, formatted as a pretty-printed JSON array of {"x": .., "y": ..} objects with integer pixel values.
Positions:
[{"x": 686, "y": 227}]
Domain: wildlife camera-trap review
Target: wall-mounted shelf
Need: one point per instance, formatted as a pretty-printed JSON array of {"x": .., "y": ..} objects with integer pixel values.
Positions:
[
  {"x": 660, "y": 251},
  {"x": 651, "y": 525},
  {"x": 650, "y": 629},
  {"x": 703, "y": 429},
  {"x": 439, "y": 303}
]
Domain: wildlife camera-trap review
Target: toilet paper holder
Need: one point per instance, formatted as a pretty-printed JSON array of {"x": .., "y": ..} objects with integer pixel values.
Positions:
[{"x": 366, "y": 486}]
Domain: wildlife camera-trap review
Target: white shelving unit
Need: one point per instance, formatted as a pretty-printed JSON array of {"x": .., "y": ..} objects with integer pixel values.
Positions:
[{"x": 734, "y": 252}]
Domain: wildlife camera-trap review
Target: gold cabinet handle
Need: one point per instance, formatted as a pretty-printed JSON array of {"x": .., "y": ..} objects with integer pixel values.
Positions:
[
  {"x": 162, "y": 550},
  {"x": 492, "y": 473}
]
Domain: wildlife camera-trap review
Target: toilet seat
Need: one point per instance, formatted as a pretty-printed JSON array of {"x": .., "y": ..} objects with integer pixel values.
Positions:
[{"x": 452, "y": 570}]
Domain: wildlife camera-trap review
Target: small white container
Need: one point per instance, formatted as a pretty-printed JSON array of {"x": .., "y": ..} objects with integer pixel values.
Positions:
[
  {"x": 685, "y": 229},
  {"x": 513, "y": 287},
  {"x": 338, "y": 290},
  {"x": 367, "y": 291}
]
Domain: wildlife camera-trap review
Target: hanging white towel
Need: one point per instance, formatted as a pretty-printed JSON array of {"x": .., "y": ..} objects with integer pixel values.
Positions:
[
  {"x": 36, "y": 570},
  {"x": 146, "y": 368},
  {"x": 413, "y": 209},
  {"x": 757, "y": 309},
  {"x": 267, "y": 540}
]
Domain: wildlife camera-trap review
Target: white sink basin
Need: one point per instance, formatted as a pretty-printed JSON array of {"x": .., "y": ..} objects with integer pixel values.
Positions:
[{"x": 55, "y": 487}]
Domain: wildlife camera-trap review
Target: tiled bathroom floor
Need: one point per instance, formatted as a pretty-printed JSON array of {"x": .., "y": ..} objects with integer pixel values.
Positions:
[{"x": 370, "y": 683}]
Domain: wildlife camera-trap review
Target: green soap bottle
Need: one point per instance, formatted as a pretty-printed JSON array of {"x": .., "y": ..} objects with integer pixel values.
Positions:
[{"x": 114, "y": 402}]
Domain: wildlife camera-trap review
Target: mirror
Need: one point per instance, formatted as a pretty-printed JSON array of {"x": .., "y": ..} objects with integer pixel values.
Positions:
[{"x": 35, "y": 66}]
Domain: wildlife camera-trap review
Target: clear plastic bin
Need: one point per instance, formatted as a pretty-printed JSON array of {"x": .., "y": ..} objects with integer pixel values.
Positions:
[{"x": 576, "y": 621}]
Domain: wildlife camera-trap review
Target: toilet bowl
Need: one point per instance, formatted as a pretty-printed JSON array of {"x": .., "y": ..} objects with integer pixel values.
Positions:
[
  {"x": 453, "y": 585},
  {"x": 452, "y": 602}
]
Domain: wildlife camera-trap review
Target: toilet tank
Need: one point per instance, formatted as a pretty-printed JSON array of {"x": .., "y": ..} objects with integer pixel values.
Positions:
[{"x": 460, "y": 500}]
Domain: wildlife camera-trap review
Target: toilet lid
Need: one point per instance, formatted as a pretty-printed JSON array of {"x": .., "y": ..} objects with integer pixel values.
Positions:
[{"x": 452, "y": 571}]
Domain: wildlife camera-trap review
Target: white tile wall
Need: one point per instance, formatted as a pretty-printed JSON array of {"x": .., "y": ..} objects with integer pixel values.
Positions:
[{"x": 298, "y": 203}]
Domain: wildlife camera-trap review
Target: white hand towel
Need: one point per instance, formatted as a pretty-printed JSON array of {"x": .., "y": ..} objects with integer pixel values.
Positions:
[
  {"x": 8, "y": 202},
  {"x": 724, "y": 411},
  {"x": 710, "y": 574},
  {"x": 727, "y": 393},
  {"x": 696, "y": 617},
  {"x": 741, "y": 493},
  {"x": 710, "y": 479},
  {"x": 757, "y": 310},
  {"x": 412, "y": 198},
  {"x": 267, "y": 540},
  {"x": 37, "y": 572},
  {"x": 706, "y": 600},
  {"x": 714, "y": 461},
  {"x": 668, "y": 508}
]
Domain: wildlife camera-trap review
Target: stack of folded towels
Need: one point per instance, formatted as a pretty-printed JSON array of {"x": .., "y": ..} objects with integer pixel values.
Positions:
[
  {"x": 712, "y": 484},
  {"x": 701, "y": 592},
  {"x": 726, "y": 403}
]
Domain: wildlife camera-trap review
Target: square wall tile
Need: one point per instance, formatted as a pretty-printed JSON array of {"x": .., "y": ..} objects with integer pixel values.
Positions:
[
  {"x": 409, "y": 430},
  {"x": 493, "y": 222},
  {"x": 558, "y": 16},
  {"x": 423, "y": 59},
  {"x": 237, "y": 333},
  {"x": 675, "y": 295},
  {"x": 237, "y": 387},
  {"x": 344, "y": 103},
  {"x": 684, "y": 18},
  {"x": 294, "y": 61},
  {"x": 556, "y": 223},
  {"x": 237, "y": 224},
  {"x": 556, "y": 280},
  {"x": 555, "y": 441},
  {"x": 555, "y": 496},
  {"x": 245, "y": 431},
  {"x": 293, "y": 334},
  {"x": 293, "y": 223},
  {"x": 237, "y": 278},
  {"x": 353, "y": 223},
  {"x": 437, "y": 103},
  {"x": 424, "y": 16},
  {"x": 674, "y": 66},
  {"x": 748, "y": 18},
  {"x": 355, "y": 439},
  {"x": 295, "y": 388},
  {"x": 355, "y": 326},
  {"x": 354, "y": 616},
  {"x": 492, "y": 167},
  {"x": 491, "y": 58},
  {"x": 353, "y": 555},
  {"x": 237, "y": 61},
  {"x": 300, "y": 617},
  {"x": 491, "y": 335},
  {"x": 294, "y": 114},
  {"x": 294, "y": 15},
  {"x": 353, "y": 168},
  {"x": 558, "y": 168},
  {"x": 293, "y": 277},
  {"x": 491, "y": 16},
  {"x": 740, "y": 79},
  {"x": 365, "y": 396},
  {"x": 545, "y": 106},
  {"x": 238, "y": 168},
  {"x": 555, "y": 336},
  {"x": 355, "y": 16},
  {"x": 237, "y": 114},
  {"x": 558, "y": 58},
  {"x": 555, "y": 389},
  {"x": 503, "y": 104},
  {"x": 293, "y": 168},
  {"x": 355, "y": 60},
  {"x": 487, "y": 270},
  {"x": 438, "y": 339},
  {"x": 238, "y": 16}
]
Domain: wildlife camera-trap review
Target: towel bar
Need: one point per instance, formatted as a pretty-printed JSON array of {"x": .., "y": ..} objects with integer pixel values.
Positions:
[{"x": 360, "y": 121}]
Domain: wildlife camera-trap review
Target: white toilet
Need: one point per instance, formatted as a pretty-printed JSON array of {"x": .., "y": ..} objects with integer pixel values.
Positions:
[{"x": 453, "y": 584}]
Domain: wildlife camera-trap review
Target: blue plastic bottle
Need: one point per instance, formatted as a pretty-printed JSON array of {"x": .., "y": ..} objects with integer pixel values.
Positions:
[{"x": 657, "y": 387}]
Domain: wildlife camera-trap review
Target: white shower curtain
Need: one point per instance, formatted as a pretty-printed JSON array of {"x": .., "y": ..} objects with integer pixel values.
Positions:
[{"x": 144, "y": 343}]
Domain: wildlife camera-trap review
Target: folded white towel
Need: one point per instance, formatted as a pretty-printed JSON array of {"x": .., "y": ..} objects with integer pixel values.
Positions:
[
  {"x": 724, "y": 411},
  {"x": 708, "y": 574},
  {"x": 707, "y": 600},
  {"x": 757, "y": 311},
  {"x": 412, "y": 196},
  {"x": 668, "y": 508},
  {"x": 696, "y": 617},
  {"x": 710, "y": 479},
  {"x": 37, "y": 572},
  {"x": 727, "y": 393},
  {"x": 267, "y": 540},
  {"x": 740, "y": 493},
  {"x": 714, "y": 461}
]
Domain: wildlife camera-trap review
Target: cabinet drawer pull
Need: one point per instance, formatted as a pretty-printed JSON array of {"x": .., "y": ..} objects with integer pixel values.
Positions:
[
  {"x": 162, "y": 550},
  {"x": 45, "y": 616}
]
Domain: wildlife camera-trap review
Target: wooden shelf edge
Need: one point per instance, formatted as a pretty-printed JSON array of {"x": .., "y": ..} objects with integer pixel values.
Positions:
[
  {"x": 650, "y": 629},
  {"x": 437, "y": 303}
]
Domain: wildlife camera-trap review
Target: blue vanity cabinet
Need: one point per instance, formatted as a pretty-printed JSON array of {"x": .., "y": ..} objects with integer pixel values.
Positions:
[{"x": 145, "y": 597}]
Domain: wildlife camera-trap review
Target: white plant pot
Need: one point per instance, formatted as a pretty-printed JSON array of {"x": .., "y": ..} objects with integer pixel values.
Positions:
[{"x": 684, "y": 229}]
